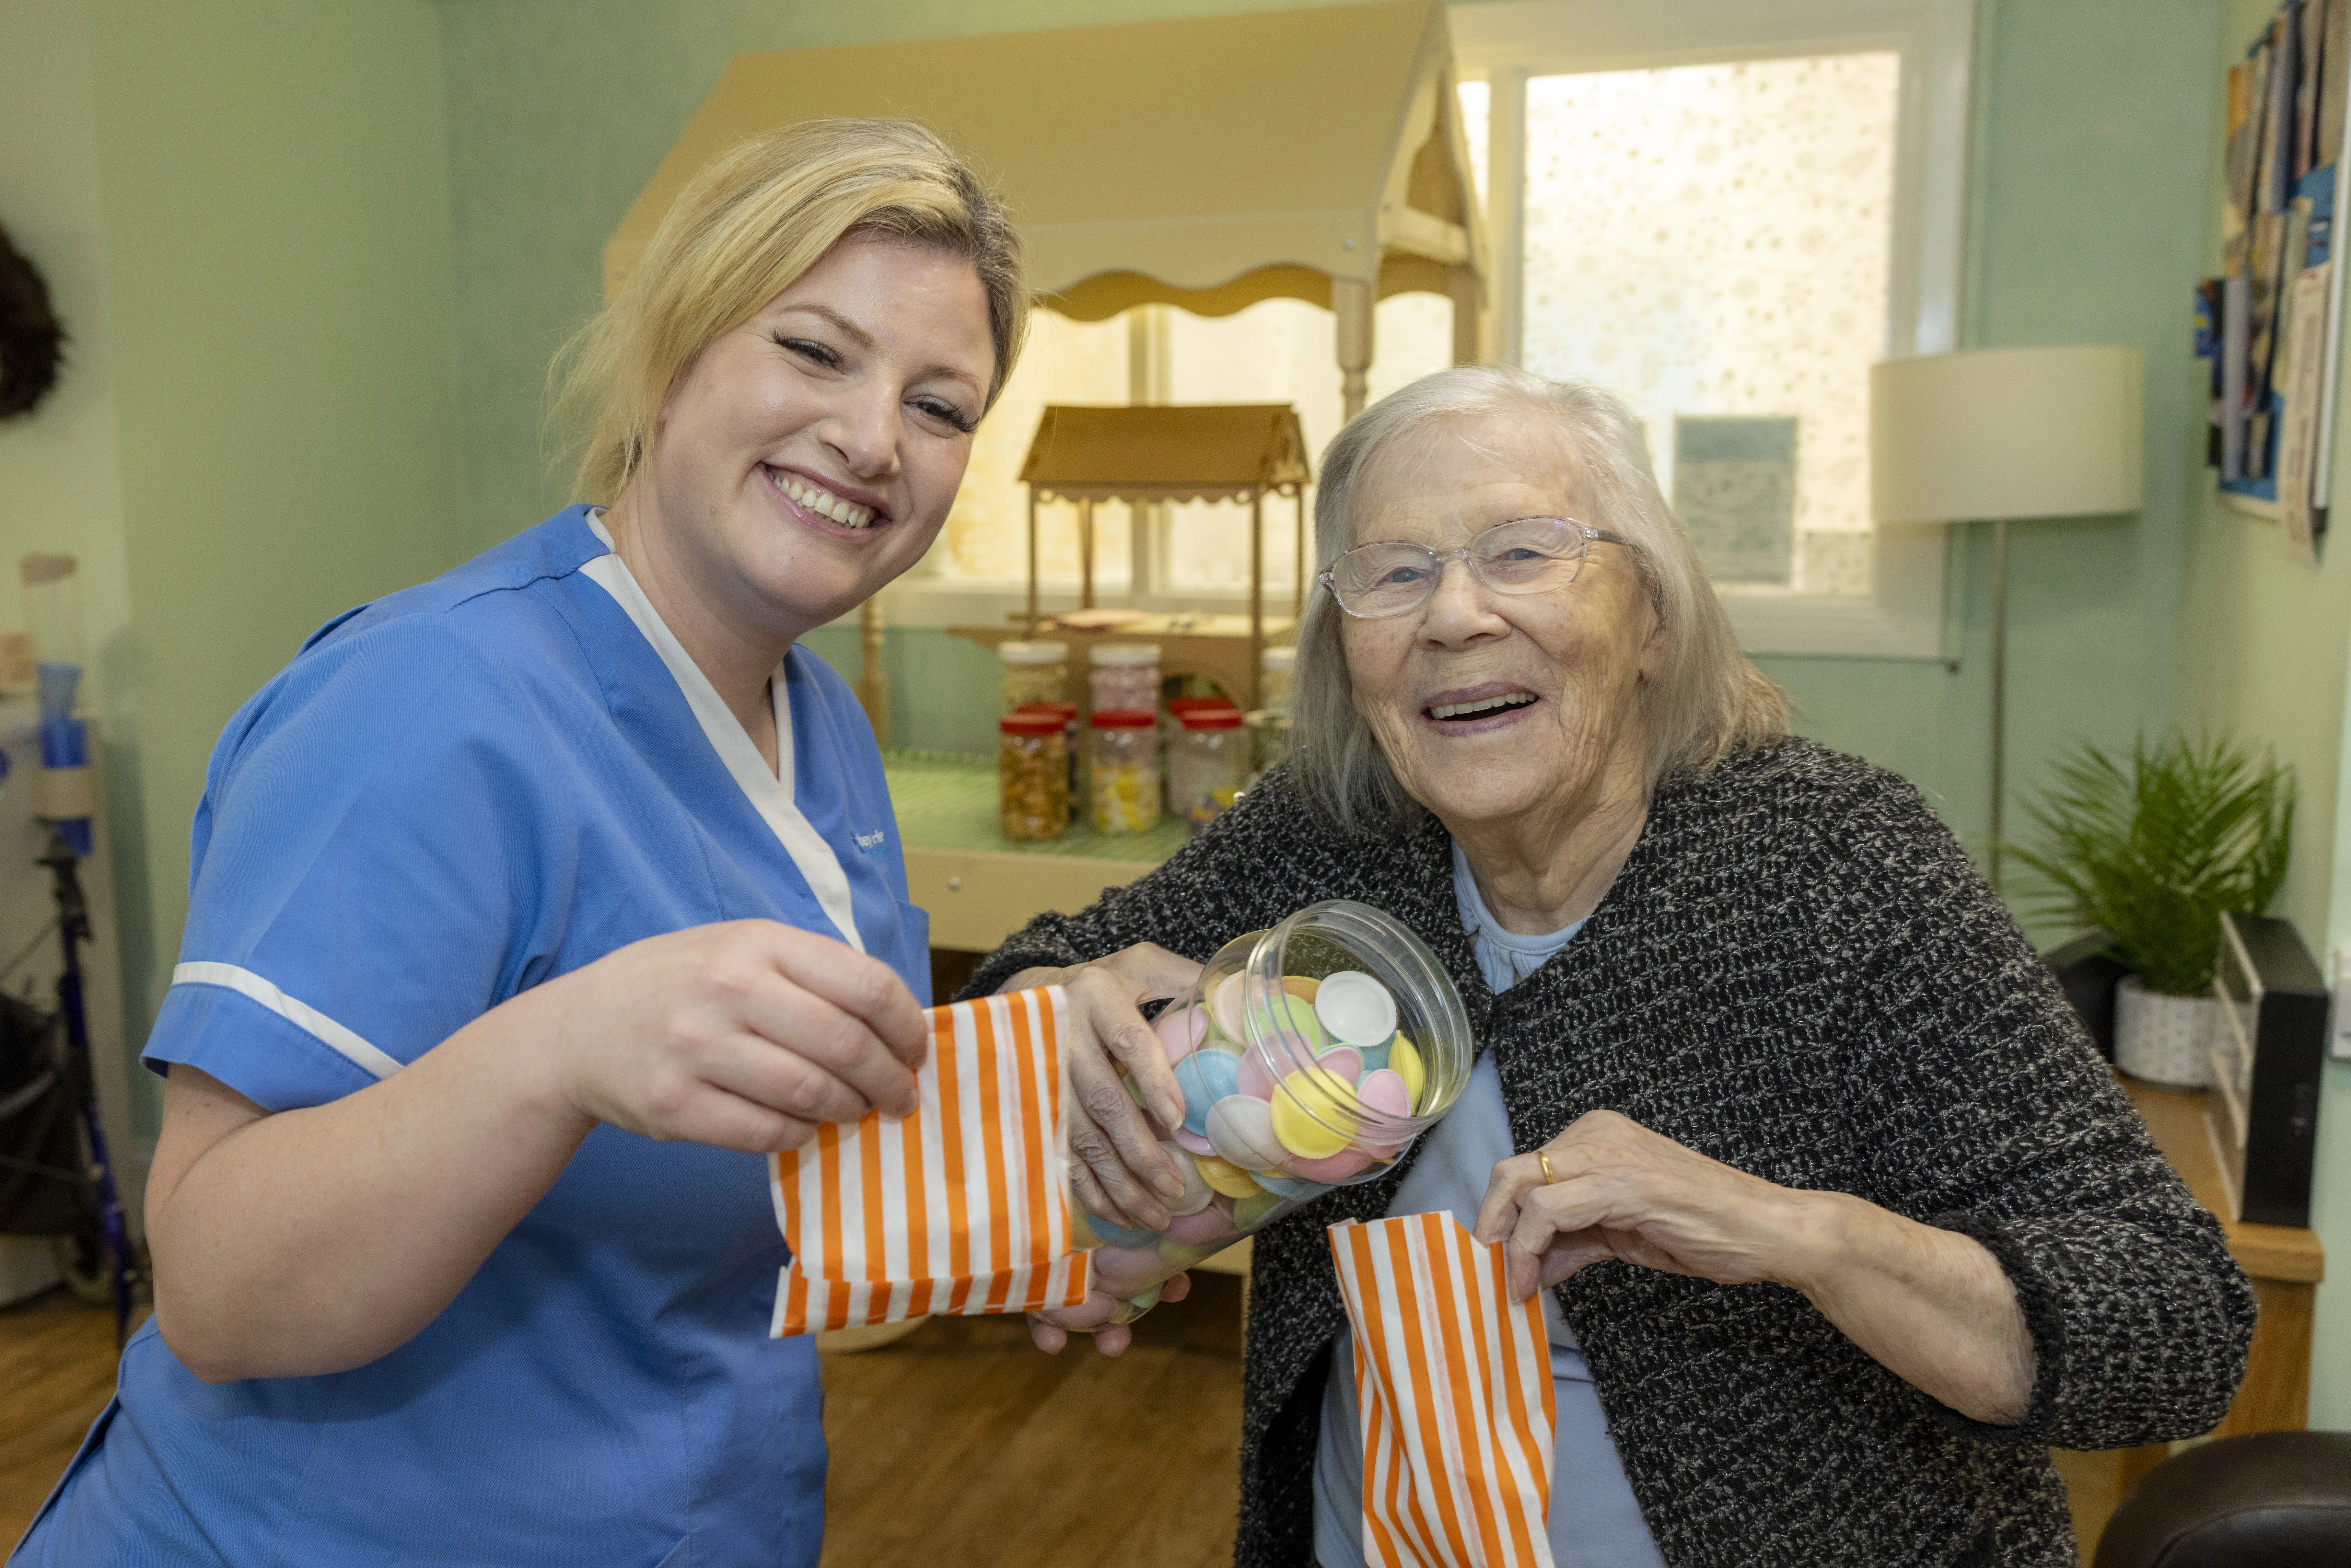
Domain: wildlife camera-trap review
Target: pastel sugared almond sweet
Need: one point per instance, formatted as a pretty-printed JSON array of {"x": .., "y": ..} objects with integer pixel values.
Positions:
[{"x": 1356, "y": 1008}]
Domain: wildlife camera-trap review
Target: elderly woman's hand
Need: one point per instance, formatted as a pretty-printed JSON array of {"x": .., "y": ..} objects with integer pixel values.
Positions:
[
  {"x": 1931, "y": 1305},
  {"x": 1615, "y": 1189},
  {"x": 1050, "y": 1331},
  {"x": 1118, "y": 1170}
]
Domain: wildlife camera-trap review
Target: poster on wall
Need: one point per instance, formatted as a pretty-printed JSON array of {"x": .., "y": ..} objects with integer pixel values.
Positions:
[{"x": 2272, "y": 323}]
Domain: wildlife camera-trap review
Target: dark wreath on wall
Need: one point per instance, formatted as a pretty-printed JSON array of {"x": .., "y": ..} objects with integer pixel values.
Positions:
[{"x": 32, "y": 340}]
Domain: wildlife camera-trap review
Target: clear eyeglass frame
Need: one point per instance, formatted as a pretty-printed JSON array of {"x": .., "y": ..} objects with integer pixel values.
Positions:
[{"x": 1485, "y": 563}]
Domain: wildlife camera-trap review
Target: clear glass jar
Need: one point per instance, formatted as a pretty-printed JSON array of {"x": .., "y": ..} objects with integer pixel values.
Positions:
[
  {"x": 1171, "y": 736},
  {"x": 1268, "y": 740},
  {"x": 1032, "y": 769},
  {"x": 1178, "y": 707},
  {"x": 1277, "y": 669},
  {"x": 1124, "y": 676},
  {"x": 1032, "y": 672},
  {"x": 1208, "y": 764},
  {"x": 1123, "y": 771},
  {"x": 1310, "y": 1056},
  {"x": 1071, "y": 739}
]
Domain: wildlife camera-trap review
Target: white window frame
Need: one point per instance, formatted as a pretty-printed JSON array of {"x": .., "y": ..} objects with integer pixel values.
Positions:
[{"x": 1507, "y": 41}]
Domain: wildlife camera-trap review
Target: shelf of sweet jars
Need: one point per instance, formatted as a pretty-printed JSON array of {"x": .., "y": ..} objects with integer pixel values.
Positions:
[{"x": 1216, "y": 647}]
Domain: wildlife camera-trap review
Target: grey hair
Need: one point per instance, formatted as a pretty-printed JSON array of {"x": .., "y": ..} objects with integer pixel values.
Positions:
[{"x": 1706, "y": 703}]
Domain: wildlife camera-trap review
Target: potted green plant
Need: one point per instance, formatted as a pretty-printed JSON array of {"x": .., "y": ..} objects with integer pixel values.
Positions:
[{"x": 2153, "y": 848}]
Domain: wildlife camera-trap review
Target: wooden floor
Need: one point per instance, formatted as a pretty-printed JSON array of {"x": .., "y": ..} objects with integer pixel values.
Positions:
[
  {"x": 961, "y": 1444},
  {"x": 958, "y": 1443},
  {"x": 56, "y": 1372}
]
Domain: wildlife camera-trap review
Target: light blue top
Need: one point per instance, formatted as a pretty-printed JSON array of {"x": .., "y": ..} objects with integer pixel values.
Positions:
[
  {"x": 1595, "y": 1523},
  {"x": 449, "y": 796}
]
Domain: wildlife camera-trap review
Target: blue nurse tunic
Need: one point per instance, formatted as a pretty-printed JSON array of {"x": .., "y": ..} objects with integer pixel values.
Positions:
[{"x": 449, "y": 796}]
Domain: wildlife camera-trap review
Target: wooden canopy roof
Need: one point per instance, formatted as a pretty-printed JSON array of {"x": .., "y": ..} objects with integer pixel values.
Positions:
[
  {"x": 1186, "y": 452},
  {"x": 1208, "y": 163}
]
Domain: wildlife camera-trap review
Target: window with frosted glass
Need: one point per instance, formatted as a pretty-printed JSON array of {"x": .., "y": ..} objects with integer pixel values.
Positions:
[{"x": 1712, "y": 243}]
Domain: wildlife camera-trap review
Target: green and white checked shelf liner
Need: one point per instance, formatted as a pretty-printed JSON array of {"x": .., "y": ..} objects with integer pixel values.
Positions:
[{"x": 947, "y": 801}]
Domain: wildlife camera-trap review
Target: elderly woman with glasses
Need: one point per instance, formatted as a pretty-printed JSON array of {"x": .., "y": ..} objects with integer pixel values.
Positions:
[{"x": 1839, "y": 1221}]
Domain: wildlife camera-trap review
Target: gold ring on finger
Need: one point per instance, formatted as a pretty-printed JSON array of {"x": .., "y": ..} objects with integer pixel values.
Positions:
[{"x": 1544, "y": 1160}]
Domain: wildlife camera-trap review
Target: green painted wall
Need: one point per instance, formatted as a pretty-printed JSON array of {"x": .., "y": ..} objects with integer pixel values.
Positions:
[
  {"x": 2266, "y": 650},
  {"x": 278, "y": 261}
]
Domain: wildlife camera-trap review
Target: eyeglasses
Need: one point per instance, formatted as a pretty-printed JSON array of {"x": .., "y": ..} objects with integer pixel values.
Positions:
[{"x": 1525, "y": 555}]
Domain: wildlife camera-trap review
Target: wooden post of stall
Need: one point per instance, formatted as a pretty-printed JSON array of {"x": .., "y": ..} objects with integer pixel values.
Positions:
[
  {"x": 1086, "y": 554},
  {"x": 1256, "y": 587},
  {"x": 873, "y": 682},
  {"x": 1031, "y": 632},
  {"x": 1297, "y": 589},
  {"x": 1468, "y": 324},
  {"x": 1350, "y": 303}
]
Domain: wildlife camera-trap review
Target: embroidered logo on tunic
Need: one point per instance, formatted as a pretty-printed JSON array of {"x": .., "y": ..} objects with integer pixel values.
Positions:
[{"x": 871, "y": 842}]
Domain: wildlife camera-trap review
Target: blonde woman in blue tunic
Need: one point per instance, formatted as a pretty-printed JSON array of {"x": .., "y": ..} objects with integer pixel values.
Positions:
[{"x": 531, "y": 907}]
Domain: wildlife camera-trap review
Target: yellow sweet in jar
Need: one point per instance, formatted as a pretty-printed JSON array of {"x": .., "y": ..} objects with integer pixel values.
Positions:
[
  {"x": 1314, "y": 1114},
  {"x": 1226, "y": 1177},
  {"x": 1032, "y": 773},
  {"x": 1404, "y": 1061},
  {"x": 1125, "y": 797}
]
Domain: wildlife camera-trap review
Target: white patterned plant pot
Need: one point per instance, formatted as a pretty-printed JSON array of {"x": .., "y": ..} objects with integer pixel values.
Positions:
[{"x": 2163, "y": 1039}]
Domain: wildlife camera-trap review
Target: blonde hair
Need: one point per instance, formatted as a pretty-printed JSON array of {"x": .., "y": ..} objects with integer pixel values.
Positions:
[
  {"x": 1706, "y": 703},
  {"x": 743, "y": 228}
]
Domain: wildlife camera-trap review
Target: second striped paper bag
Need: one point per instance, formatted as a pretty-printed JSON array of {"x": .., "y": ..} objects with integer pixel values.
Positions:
[
  {"x": 1453, "y": 1379},
  {"x": 960, "y": 1209}
]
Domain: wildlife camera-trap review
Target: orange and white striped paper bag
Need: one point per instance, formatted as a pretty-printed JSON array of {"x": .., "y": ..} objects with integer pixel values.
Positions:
[
  {"x": 1453, "y": 1379},
  {"x": 960, "y": 1209}
]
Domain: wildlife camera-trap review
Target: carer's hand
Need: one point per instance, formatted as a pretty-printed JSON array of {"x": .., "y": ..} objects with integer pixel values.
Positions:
[
  {"x": 744, "y": 1035},
  {"x": 1118, "y": 1170},
  {"x": 1618, "y": 1190}
]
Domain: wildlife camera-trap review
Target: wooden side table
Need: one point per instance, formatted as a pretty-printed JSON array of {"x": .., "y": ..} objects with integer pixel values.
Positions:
[{"x": 2285, "y": 1264}]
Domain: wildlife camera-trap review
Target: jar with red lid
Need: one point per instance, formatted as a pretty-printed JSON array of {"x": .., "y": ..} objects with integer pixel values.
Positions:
[
  {"x": 1071, "y": 739},
  {"x": 1171, "y": 740},
  {"x": 1033, "y": 776},
  {"x": 1208, "y": 764},
  {"x": 1123, "y": 771}
]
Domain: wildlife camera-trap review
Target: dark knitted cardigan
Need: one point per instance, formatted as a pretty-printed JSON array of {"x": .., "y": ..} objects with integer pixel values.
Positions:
[{"x": 1800, "y": 973}]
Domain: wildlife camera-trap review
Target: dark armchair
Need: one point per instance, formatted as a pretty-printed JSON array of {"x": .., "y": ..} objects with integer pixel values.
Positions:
[{"x": 2278, "y": 1499}]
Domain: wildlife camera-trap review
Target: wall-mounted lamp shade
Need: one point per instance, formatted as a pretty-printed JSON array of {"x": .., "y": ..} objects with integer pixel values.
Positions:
[{"x": 1988, "y": 433}]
